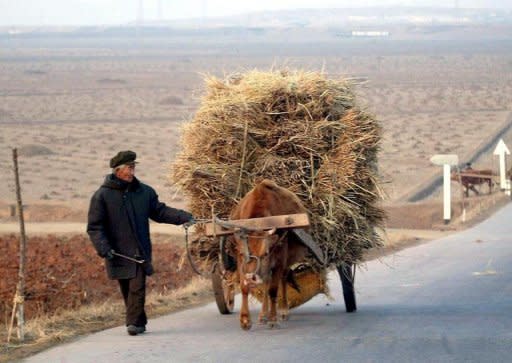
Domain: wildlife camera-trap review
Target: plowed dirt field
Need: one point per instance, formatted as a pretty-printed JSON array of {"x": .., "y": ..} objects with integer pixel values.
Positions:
[{"x": 64, "y": 272}]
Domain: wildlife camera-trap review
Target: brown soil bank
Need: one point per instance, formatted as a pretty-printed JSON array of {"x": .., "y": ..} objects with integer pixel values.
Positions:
[{"x": 64, "y": 272}]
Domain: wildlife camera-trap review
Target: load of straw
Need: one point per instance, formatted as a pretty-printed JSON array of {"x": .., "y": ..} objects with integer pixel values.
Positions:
[{"x": 300, "y": 129}]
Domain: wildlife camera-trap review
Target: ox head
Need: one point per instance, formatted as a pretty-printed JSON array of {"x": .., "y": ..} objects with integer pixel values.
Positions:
[{"x": 254, "y": 249}]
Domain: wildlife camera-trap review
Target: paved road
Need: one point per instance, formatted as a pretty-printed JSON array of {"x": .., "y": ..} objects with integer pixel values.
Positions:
[{"x": 449, "y": 300}]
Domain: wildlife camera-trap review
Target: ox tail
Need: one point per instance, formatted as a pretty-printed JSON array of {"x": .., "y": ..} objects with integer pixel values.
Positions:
[{"x": 290, "y": 280}]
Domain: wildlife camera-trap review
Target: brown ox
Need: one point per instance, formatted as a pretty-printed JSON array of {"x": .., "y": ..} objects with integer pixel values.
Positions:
[
  {"x": 264, "y": 257},
  {"x": 472, "y": 179}
]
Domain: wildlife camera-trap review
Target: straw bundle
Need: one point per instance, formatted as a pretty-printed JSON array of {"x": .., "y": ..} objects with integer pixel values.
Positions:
[{"x": 300, "y": 129}]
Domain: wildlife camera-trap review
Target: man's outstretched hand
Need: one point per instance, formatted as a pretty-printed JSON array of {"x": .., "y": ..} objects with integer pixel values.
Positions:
[{"x": 190, "y": 223}]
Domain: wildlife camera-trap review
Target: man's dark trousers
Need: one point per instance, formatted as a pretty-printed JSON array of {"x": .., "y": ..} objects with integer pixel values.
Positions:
[{"x": 134, "y": 294}]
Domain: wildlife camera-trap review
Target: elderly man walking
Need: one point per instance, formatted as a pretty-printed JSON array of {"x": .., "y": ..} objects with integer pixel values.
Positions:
[{"x": 118, "y": 226}]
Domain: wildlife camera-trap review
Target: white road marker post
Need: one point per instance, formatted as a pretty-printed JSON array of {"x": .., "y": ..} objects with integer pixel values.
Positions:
[
  {"x": 447, "y": 211},
  {"x": 446, "y": 160},
  {"x": 501, "y": 150}
]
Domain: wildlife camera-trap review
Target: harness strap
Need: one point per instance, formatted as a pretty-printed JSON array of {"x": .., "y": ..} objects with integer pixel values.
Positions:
[{"x": 247, "y": 256}]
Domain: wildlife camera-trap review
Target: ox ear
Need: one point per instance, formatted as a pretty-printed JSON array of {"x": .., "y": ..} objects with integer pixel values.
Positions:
[{"x": 272, "y": 231}]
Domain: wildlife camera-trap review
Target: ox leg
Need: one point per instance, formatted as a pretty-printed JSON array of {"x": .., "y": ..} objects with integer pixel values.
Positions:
[
  {"x": 263, "y": 316},
  {"x": 272, "y": 318},
  {"x": 347, "y": 283},
  {"x": 245, "y": 316},
  {"x": 283, "y": 300},
  {"x": 272, "y": 293}
]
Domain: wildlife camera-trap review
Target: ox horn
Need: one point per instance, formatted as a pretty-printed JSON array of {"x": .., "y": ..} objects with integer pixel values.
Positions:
[{"x": 272, "y": 231}]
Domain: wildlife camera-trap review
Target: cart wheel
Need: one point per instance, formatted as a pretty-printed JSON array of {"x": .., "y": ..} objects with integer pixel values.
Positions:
[
  {"x": 347, "y": 283},
  {"x": 224, "y": 292}
]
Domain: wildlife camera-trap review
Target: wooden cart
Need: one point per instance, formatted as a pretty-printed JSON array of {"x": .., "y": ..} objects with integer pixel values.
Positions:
[{"x": 224, "y": 274}]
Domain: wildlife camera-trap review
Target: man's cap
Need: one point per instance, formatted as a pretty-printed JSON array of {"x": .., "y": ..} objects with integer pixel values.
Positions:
[{"x": 123, "y": 157}]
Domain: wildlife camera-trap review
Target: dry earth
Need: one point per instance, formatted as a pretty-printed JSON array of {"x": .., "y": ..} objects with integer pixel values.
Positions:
[
  {"x": 64, "y": 273},
  {"x": 70, "y": 107}
]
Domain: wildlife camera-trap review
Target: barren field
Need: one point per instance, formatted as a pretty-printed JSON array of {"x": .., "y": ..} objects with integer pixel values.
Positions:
[
  {"x": 69, "y": 109},
  {"x": 70, "y": 105},
  {"x": 65, "y": 273}
]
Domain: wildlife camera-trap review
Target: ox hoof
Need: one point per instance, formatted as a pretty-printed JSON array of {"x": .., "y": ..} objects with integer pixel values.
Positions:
[
  {"x": 245, "y": 324},
  {"x": 273, "y": 325},
  {"x": 285, "y": 317},
  {"x": 262, "y": 320}
]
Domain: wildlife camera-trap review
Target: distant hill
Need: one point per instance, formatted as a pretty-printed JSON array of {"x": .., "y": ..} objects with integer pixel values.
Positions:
[{"x": 351, "y": 17}]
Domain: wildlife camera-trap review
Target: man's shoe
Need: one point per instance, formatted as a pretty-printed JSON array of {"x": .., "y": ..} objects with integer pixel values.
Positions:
[{"x": 134, "y": 330}]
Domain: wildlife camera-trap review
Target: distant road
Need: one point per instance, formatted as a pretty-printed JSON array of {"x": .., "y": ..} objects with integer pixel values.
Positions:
[
  {"x": 437, "y": 181},
  {"x": 449, "y": 300}
]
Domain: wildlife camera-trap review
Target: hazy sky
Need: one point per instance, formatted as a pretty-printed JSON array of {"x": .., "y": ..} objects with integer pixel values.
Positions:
[{"x": 88, "y": 12}]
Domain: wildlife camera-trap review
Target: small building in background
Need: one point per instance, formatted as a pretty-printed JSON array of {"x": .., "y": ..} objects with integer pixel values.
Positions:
[{"x": 372, "y": 33}]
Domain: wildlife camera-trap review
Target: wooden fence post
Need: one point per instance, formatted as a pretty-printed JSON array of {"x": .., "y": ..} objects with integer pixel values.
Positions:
[{"x": 19, "y": 297}]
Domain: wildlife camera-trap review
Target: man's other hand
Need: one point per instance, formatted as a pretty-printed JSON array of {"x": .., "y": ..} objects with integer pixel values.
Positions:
[{"x": 109, "y": 255}]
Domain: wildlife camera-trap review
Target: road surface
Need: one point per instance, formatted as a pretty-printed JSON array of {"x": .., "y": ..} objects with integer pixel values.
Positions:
[{"x": 449, "y": 300}]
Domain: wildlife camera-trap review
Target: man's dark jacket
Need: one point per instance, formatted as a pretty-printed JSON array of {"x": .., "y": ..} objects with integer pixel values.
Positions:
[{"x": 118, "y": 220}]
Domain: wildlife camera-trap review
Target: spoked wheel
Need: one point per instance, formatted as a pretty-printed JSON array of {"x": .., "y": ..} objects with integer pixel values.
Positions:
[{"x": 224, "y": 291}]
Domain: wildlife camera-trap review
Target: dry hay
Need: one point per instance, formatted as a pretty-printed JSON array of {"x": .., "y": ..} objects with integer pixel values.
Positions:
[{"x": 300, "y": 129}]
